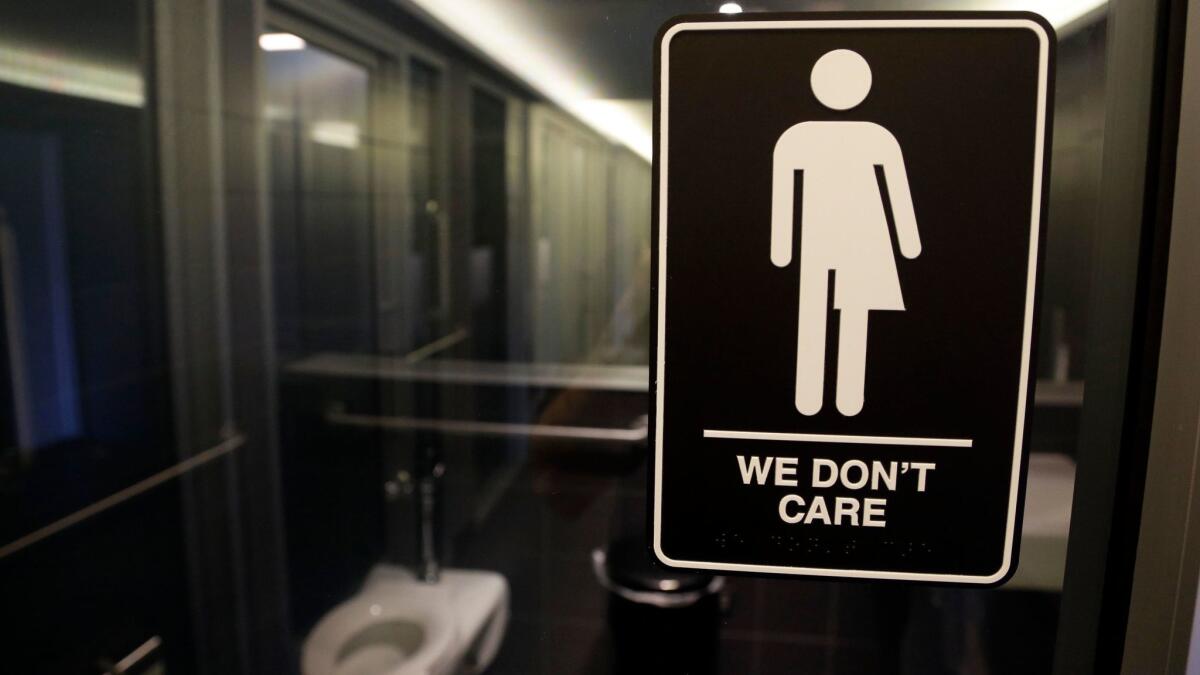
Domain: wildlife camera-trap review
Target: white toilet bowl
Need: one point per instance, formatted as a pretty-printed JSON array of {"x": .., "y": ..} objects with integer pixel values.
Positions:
[
  {"x": 390, "y": 628},
  {"x": 397, "y": 625}
]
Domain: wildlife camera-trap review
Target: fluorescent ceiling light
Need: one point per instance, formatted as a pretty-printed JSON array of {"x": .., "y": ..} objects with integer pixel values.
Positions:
[
  {"x": 281, "y": 42},
  {"x": 277, "y": 113},
  {"x": 1063, "y": 13},
  {"x": 627, "y": 121},
  {"x": 50, "y": 72},
  {"x": 528, "y": 49},
  {"x": 335, "y": 133},
  {"x": 532, "y": 53},
  {"x": 1060, "y": 13}
]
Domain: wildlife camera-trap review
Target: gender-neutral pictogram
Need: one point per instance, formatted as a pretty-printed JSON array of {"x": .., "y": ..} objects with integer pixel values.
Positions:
[{"x": 844, "y": 235}]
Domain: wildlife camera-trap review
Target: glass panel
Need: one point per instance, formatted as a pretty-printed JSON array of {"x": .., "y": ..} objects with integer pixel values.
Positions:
[
  {"x": 510, "y": 441},
  {"x": 320, "y": 206},
  {"x": 428, "y": 270},
  {"x": 323, "y": 266},
  {"x": 444, "y": 386},
  {"x": 85, "y": 393},
  {"x": 489, "y": 227},
  {"x": 85, "y": 387}
]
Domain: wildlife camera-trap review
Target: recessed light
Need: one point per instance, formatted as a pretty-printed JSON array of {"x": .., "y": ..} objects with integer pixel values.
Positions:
[
  {"x": 281, "y": 42},
  {"x": 336, "y": 133},
  {"x": 730, "y": 8}
]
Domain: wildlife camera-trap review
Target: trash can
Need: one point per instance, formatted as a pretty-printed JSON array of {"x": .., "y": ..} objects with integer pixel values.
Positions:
[{"x": 662, "y": 620}]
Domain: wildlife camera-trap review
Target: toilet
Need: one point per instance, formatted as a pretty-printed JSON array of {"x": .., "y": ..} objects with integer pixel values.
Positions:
[{"x": 398, "y": 625}]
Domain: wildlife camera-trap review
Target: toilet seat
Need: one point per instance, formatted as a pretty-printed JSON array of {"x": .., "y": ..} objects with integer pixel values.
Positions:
[{"x": 354, "y": 634}]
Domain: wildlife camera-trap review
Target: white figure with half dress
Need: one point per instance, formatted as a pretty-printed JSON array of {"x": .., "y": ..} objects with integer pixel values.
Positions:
[{"x": 843, "y": 229}]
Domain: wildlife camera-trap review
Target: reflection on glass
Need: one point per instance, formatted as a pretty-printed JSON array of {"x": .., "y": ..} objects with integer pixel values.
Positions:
[
  {"x": 86, "y": 408},
  {"x": 428, "y": 273},
  {"x": 320, "y": 202},
  {"x": 589, "y": 211},
  {"x": 323, "y": 259},
  {"x": 489, "y": 255},
  {"x": 83, "y": 346},
  {"x": 459, "y": 261}
]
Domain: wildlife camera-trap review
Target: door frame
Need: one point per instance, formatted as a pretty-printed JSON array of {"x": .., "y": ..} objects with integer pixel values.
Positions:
[
  {"x": 1128, "y": 280},
  {"x": 1166, "y": 576}
]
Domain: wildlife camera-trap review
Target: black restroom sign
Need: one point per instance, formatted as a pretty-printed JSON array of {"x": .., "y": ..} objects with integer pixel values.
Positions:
[{"x": 847, "y": 229}]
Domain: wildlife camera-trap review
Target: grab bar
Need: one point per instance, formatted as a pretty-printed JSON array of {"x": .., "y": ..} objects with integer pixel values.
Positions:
[
  {"x": 138, "y": 659},
  {"x": 441, "y": 344},
  {"x": 219, "y": 450},
  {"x": 634, "y": 434}
]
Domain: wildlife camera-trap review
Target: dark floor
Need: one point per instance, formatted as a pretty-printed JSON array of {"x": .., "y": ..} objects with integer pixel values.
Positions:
[{"x": 540, "y": 535}]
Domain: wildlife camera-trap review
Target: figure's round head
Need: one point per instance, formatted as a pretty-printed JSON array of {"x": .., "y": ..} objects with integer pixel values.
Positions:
[{"x": 841, "y": 79}]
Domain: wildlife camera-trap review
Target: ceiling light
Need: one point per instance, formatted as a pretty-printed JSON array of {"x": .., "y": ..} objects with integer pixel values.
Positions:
[
  {"x": 335, "y": 133},
  {"x": 1067, "y": 12},
  {"x": 528, "y": 50},
  {"x": 61, "y": 74},
  {"x": 281, "y": 42},
  {"x": 730, "y": 8}
]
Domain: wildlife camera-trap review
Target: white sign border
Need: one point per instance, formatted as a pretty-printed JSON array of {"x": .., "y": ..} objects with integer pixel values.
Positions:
[{"x": 660, "y": 379}]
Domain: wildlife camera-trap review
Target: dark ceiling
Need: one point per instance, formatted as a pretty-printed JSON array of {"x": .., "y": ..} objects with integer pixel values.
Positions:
[
  {"x": 98, "y": 33},
  {"x": 610, "y": 42}
]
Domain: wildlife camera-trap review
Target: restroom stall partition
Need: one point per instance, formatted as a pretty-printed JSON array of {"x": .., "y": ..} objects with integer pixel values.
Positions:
[
  {"x": 629, "y": 234},
  {"x": 590, "y": 245},
  {"x": 568, "y": 177},
  {"x": 488, "y": 205}
]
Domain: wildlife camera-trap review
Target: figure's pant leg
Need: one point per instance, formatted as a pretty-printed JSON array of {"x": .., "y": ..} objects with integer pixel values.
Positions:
[
  {"x": 852, "y": 361},
  {"x": 810, "y": 342}
]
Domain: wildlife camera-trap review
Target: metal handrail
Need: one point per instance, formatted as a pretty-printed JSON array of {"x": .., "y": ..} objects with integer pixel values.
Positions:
[
  {"x": 221, "y": 449},
  {"x": 633, "y": 434},
  {"x": 441, "y": 344}
]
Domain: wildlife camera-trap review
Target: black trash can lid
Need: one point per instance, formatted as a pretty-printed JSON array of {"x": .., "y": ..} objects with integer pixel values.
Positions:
[{"x": 630, "y": 565}]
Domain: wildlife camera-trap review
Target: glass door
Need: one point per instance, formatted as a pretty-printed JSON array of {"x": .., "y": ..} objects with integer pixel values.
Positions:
[
  {"x": 512, "y": 429},
  {"x": 326, "y": 343}
]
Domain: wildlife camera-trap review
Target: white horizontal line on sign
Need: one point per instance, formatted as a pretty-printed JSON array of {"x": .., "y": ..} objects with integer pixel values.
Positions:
[{"x": 838, "y": 438}]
